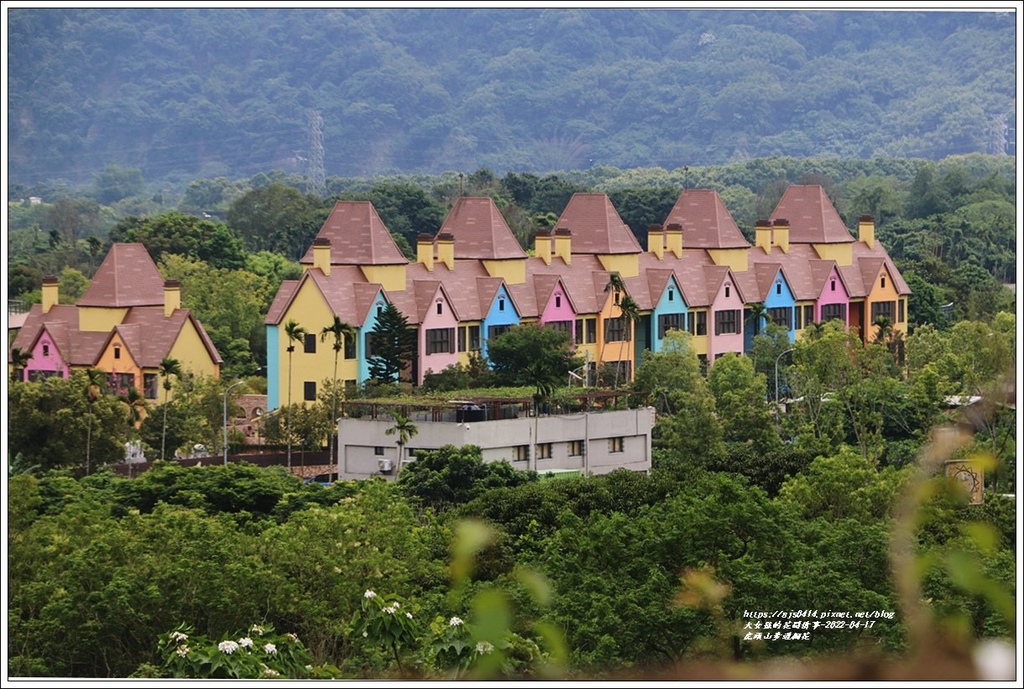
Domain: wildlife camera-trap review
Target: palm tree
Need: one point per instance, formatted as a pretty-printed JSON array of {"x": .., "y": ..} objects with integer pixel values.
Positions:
[
  {"x": 405, "y": 429},
  {"x": 885, "y": 329},
  {"x": 135, "y": 405},
  {"x": 756, "y": 313},
  {"x": 295, "y": 333},
  {"x": 94, "y": 385},
  {"x": 19, "y": 360},
  {"x": 616, "y": 285},
  {"x": 339, "y": 330},
  {"x": 168, "y": 367},
  {"x": 815, "y": 329},
  {"x": 630, "y": 311}
]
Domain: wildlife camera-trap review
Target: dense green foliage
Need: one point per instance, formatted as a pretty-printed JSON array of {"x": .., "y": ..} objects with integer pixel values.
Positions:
[{"x": 99, "y": 95}]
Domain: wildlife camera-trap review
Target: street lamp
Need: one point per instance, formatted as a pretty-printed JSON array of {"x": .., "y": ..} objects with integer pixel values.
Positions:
[
  {"x": 777, "y": 374},
  {"x": 233, "y": 385}
]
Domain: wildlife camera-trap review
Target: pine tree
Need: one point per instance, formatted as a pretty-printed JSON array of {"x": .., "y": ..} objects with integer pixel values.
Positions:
[{"x": 392, "y": 345}]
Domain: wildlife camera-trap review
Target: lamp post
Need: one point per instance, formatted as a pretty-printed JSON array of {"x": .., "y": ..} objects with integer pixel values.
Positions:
[
  {"x": 233, "y": 385},
  {"x": 777, "y": 374}
]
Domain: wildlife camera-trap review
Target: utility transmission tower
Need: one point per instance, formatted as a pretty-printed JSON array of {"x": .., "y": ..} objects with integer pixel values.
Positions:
[{"x": 317, "y": 185}]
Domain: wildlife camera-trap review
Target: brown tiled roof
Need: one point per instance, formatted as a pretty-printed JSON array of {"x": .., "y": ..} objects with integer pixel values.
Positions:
[
  {"x": 596, "y": 226},
  {"x": 151, "y": 336},
  {"x": 854, "y": 281},
  {"x": 423, "y": 292},
  {"x": 656, "y": 281},
  {"x": 147, "y": 334},
  {"x": 281, "y": 300},
  {"x": 358, "y": 237},
  {"x": 127, "y": 277},
  {"x": 862, "y": 252},
  {"x": 460, "y": 284},
  {"x": 480, "y": 231},
  {"x": 819, "y": 270},
  {"x": 812, "y": 217},
  {"x": 487, "y": 289},
  {"x": 689, "y": 272},
  {"x": 346, "y": 291},
  {"x": 706, "y": 222}
]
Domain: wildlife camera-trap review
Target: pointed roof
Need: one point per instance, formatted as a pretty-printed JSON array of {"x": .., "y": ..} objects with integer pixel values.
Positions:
[
  {"x": 424, "y": 291},
  {"x": 812, "y": 217},
  {"x": 480, "y": 231},
  {"x": 127, "y": 277},
  {"x": 873, "y": 260},
  {"x": 706, "y": 221},
  {"x": 346, "y": 291},
  {"x": 596, "y": 226},
  {"x": 487, "y": 289},
  {"x": 151, "y": 336},
  {"x": 358, "y": 237},
  {"x": 656, "y": 282},
  {"x": 283, "y": 297}
]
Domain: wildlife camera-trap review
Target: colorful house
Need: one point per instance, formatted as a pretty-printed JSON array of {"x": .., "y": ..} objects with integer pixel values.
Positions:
[
  {"x": 127, "y": 322},
  {"x": 471, "y": 281}
]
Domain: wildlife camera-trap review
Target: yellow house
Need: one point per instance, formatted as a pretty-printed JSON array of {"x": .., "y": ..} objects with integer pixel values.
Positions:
[{"x": 128, "y": 321}]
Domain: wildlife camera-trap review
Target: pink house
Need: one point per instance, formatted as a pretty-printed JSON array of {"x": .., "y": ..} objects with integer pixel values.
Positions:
[
  {"x": 726, "y": 320},
  {"x": 558, "y": 311},
  {"x": 834, "y": 299},
  {"x": 47, "y": 359},
  {"x": 437, "y": 332}
]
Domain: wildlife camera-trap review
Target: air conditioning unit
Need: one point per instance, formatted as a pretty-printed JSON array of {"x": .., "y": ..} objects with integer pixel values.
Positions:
[{"x": 384, "y": 466}]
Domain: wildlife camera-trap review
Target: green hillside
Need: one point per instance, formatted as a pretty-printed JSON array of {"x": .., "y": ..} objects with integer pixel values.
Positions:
[{"x": 181, "y": 94}]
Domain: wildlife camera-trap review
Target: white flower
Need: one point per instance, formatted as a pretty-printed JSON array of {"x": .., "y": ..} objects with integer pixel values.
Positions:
[
  {"x": 182, "y": 650},
  {"x": 390, "y": 610},
  {"x": 270, "y": 649},
  {"x": 369, "y": 594},
  {"x": 257, "y": 630},
  {"x": 245, "y": 642},
  {"x": 294, "y": 637},
  {"x": 454, "y": 622},
  {"x": 178, "y": 636},
  {"x": 483, "y": 647},
  {"x": 228, "y": 647},
  {"x": 365, "y": 634},
  {"x": 270, "y": 672},
  {"x": 396, "y": 605},
  {"x": 409, "y": 615}
]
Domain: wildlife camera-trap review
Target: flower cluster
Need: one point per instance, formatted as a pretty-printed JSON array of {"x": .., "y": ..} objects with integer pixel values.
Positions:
[
  {"x": 188, "y": 655},
  {"x": 455, "y": 622}
]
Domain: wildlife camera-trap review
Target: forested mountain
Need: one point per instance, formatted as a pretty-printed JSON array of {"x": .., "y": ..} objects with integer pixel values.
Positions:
[{"x": 181, "y": 94}]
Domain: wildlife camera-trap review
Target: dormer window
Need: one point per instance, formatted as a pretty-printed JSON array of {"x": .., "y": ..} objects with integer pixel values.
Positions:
[
  {"x": 117, "y": 352},
  {"x": 438, "y": 308},
  {"x": 558, "y": 301},
  {"x": 671, "y": 295},
  {"x": 883, "y": 282},
  {"x": 778, "y": 288},
  {"x": 727, "y": 291},
  {"x": 833, "y": 285},
  {"x": 46, "y": 350},
  {"x": 501, "y": 304}
]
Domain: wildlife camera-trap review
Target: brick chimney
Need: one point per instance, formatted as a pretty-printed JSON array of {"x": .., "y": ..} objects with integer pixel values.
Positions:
[
  {"x": 563, "y": 244},
  {"x": 446, "y": 249},
  {"x": 866, "y": 230},
  {"x": 674, "y": 239},
  {"x": 172, "y": 297},
  {"x": 780, "y": 234},
  {"x": 51, "y": 293},
  {"x": 763, "y": 235},
  {"x": 656, "y": 240},
  {"x": 542, "y": 246},
  {"x": 425, "y": 251},
  {"x": 322, "y": 254}
]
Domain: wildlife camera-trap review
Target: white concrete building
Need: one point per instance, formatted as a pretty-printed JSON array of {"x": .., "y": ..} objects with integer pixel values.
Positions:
[{"x": 595, "y": 442}]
